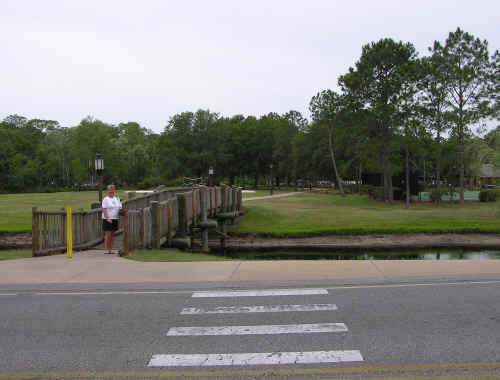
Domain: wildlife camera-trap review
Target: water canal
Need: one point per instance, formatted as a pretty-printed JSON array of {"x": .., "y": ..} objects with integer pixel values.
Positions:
[{"x": 421, "y": 254}]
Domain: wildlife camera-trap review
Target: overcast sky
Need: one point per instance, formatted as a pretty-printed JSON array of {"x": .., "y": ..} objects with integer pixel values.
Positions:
[{"x": 147, "y": 60}]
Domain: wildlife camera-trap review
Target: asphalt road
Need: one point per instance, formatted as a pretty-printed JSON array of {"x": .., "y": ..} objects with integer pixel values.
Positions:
[{"x": 442, "y": 329}]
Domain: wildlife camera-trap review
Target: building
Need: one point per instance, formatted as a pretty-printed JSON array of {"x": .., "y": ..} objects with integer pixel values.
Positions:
[{"x": 489, "y": 175}]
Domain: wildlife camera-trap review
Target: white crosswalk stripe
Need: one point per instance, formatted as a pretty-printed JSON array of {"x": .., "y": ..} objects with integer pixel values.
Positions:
[
  {"x": 259, "y": 293},
  {"x": 307, "y": 328},
  {"x": 256, "y": 358},
  {"x": 258, "y": 309}
]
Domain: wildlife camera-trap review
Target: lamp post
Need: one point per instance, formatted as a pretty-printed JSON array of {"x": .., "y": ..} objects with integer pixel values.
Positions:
[
  {"x": 99, "y": 167},
  {"x": 210, "y": 176},
  {"x": 272, "y": 181}
]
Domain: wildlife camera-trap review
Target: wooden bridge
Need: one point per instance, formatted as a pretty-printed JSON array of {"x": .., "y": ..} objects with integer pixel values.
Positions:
[{"x": 167, "y": 216}]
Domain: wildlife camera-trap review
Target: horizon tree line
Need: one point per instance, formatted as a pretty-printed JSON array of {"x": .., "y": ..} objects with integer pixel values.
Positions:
[{"x": 394, "y": 113}]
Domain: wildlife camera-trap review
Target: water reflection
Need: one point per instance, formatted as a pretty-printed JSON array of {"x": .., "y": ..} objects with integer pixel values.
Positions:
[
  {"x": 426, "y": 255},
  {"x": 376, "y": 255}
]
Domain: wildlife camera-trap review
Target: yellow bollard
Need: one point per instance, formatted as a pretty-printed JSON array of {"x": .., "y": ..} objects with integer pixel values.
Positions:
[{"x": 69, "y": 234}]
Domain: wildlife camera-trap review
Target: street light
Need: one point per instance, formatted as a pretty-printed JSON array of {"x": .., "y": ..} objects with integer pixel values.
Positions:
[
  {"x": 272, "y": 182},
  {"x": 99, "y": 168},
  {"x": 210, "y": 176}
]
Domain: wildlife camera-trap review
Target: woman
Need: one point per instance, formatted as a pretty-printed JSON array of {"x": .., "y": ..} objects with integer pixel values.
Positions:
[{"x": 111, "y": 206}]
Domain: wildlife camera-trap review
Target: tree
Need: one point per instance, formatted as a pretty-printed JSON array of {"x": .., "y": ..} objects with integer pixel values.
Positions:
[
  {"x": 434, "y": 109},
  {"x": 377, "y": 83},
  {"x": 471, "y": 87},
  {"x": 326, "y": 107}
]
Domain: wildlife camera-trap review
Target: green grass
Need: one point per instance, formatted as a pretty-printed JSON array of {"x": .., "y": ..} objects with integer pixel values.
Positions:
[
  {"x": 316, "y": 214},
  {"x": 9, "y": 254},
  {"x": 173, "y": 255},
  {"x": 15, "y": 209}
]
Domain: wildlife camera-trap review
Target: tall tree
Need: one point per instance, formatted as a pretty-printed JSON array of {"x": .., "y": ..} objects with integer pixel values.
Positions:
[
  {"x": 433, "y": 99},
  {"x": 326, "y": 107},
  {"x": 377, "y": 82},
  {"x": 472, "y": 80}
]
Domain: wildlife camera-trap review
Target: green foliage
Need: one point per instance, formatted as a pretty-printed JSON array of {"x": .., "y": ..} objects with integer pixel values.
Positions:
[
  {"x": 490, "y": 195},
  {"x": 377, "y": 192},
  {"x": 436, "y": 194}
]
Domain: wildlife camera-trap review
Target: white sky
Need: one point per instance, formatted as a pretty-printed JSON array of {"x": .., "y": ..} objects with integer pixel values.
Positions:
[{"x": 147, "y": 60}]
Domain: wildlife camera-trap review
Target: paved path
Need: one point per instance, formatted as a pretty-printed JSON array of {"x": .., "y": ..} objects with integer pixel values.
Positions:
[
  {"x": 96, "y": 267},
  {"x": 273, "y": 196}
]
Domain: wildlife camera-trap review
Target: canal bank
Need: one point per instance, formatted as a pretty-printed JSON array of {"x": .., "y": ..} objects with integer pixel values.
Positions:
[{"x": 376, "y": 242}]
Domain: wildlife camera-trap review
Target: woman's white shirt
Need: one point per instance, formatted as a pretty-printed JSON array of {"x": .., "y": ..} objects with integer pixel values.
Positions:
[{"x": 112, "y": 206}]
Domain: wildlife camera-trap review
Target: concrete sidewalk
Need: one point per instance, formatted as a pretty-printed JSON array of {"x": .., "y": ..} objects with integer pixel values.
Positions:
[{"x": 92, "y": 267}]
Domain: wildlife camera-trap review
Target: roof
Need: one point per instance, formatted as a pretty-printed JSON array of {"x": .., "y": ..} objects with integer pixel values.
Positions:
[{"x": 490, "y": 171}]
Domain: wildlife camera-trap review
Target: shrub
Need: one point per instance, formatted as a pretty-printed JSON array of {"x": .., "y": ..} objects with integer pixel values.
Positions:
[
  {"x": 491, "y": 195},
  {"x": 350, "y": 189},
  {"x": 436, "y": 194},
  {"x": 367, "y": 189},
  {"x": 377, "y": 192}
]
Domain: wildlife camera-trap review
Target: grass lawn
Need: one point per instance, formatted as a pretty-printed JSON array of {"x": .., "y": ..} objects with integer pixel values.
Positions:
[
  {"x": 173, "y": 255},
  {"x": 309, "y": 214},
  {"x": 15, "y": 209},
  {"x": 9, "y": 254}
]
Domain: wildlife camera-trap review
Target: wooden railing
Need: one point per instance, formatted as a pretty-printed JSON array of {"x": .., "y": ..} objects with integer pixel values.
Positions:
[
  {"x": 49, "y": 230},
  {"x": 173, "y": 218},
  {"x": 146, "y": 222}
]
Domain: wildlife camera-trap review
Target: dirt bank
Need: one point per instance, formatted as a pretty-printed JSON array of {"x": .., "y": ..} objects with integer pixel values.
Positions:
[
  {"x": 368, "y": 242},
  {"x": 332, "y": 242},
  {"x": 15, "y": 241}
]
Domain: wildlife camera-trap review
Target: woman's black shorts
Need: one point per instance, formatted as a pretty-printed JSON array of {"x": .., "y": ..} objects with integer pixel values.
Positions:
[{"x": 110, "y": 226}]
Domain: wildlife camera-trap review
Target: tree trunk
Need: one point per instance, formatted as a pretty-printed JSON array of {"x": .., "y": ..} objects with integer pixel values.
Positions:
[
  {"x": 438, "y": 168},
  {"x": 462, "y": 147},
  {"x": 462, "y": 172},
  {"x": 407, "y": 180},
  {"x": 359, "y": 176},
  {"x": 388, "y": 193},
  {"x": 330, "y": 145}
]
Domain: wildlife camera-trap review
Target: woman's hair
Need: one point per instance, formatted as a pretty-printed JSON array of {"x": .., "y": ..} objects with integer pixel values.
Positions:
[{"x": 111, "y": 187}]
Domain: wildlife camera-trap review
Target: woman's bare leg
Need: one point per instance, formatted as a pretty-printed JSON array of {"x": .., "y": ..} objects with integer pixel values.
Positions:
[
  {"x": 112, "y": 238},
  {"x": 108, "y": 241}
]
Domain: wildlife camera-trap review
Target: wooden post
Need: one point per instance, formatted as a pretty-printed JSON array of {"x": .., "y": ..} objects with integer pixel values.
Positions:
[
  {"x": 234, "y": 199},
  {"x": 181, "y": 205},
  {"x": 141, "y": 227},
  {"x": 125, "y": 223},
  {"x": 69, "y": 240},
  {"x": 155, "y": 224},
  {"x": 203, "y": 210},
  {"x": 239, "y": 206},
  {"x": 170, "y": 217},
  {"x": 216, "y": 197},
  {"x": 84, "y": 237},
  {"x": 223, "y": 206},
  {"x": 223, "y": 199},
  {"x": 211, "y": 198},
  {"x": 34, "y": 231},
  {"x": 195, "y": 208}
]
